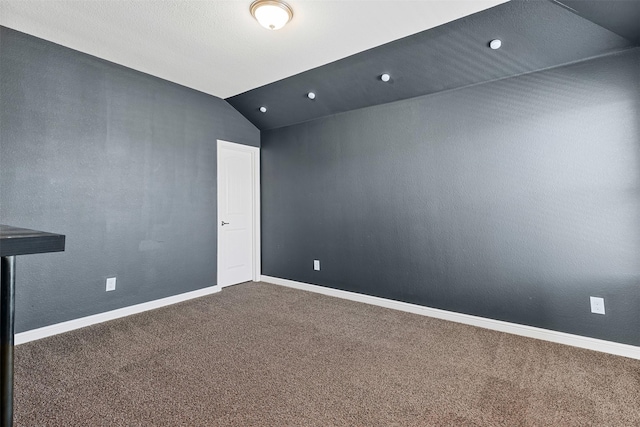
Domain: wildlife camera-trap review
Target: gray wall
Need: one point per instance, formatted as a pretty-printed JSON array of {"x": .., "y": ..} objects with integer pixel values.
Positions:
[
  {"x": 122, "y": 163},
  {"x": 514, "y": 200}
]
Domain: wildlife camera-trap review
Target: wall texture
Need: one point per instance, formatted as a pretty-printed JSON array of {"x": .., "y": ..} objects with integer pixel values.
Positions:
[
  {"x": 122, "y": 163},
  {"x": 513, "y": 200}
]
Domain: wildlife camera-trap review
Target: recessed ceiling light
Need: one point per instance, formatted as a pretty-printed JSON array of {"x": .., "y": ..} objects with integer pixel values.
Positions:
[
  {"x": 271, "y": 14},
  {"x": 263, "y": 109},
  {"x": 495, "y": 44},
  {"x": 385, "y": 77},
  {"x": 311, "y": 95}
]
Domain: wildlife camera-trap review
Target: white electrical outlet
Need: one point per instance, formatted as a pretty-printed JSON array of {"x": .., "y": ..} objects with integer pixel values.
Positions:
[
  {"x": 111, "y": 284},
  {"x": 316, "y": 264},
  {"x": 597, "y": 305}
]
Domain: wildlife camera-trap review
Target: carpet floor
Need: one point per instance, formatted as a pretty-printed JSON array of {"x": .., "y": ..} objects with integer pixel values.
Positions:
[{"x": 264, "y": 355}]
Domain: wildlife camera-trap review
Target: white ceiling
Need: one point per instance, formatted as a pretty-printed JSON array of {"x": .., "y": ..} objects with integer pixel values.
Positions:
[{"x": 215, "y": 46}]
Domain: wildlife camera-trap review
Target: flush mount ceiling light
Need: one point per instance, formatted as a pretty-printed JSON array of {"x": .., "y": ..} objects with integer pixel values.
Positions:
[
  {"x": 495, "y": 44},
  {"x": 271, "y": 14}
]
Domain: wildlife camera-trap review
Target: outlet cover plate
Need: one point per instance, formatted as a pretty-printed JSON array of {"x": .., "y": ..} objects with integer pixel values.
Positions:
[
  {"x": 111, "y": 284},
  {"x": 597, "y": 305},
  {"x": 316, "y": 264}
]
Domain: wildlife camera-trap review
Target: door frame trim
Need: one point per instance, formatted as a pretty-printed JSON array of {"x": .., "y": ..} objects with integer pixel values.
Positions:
[{"x": 255, "y": 208}]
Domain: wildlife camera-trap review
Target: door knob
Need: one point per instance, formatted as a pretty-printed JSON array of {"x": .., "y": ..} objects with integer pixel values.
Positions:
[{"x": 225, "y": 223}]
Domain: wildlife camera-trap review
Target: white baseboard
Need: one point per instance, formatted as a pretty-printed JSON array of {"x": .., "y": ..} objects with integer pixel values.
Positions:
[
  {"x": 47, "y": 331},
  {"x": 482, "y": 322}
]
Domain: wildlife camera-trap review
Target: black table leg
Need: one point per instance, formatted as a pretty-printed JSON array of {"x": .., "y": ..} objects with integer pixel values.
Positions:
[{"x": 7, "y": 313}]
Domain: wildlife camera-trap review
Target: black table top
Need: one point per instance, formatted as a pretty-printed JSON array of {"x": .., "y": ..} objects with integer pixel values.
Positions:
[{"x": 22, "y": 241}]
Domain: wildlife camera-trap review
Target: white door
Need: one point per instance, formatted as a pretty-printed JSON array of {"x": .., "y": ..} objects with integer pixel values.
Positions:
[{"x": 238, "y": 185}]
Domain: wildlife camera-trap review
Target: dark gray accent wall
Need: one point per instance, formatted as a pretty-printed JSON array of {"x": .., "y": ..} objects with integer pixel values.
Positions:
[
  {"x": 122, "y": 163},
  {"x": 514, "y": 200}
]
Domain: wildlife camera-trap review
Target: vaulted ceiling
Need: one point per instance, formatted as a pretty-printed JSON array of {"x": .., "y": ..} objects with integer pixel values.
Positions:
[
  {"x": 535, "y": 35},
  {"x": 215, "y": 46},
  {"x": 336, "y": 49}
]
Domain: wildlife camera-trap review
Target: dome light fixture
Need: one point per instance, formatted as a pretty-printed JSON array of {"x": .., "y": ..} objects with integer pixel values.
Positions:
[
  {"x": 271, "y": 14},
  {"x": 495, "y": 44},
  {"x": 263, "y": 109}
]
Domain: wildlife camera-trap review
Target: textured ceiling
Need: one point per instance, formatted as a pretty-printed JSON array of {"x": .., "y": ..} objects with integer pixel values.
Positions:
[
  {"x": 536, "y": 34},
  {"x": 215, "y": 46},
  {"x": 620, "y": 16}
]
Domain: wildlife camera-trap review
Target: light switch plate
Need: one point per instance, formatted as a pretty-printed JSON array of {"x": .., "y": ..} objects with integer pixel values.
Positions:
[
  {"x": 316, "y": 264},
  {"x": 111, "y": 284}
]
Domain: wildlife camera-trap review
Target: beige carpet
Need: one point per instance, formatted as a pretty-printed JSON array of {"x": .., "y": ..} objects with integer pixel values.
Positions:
[{"x": 263, "y": 355}]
